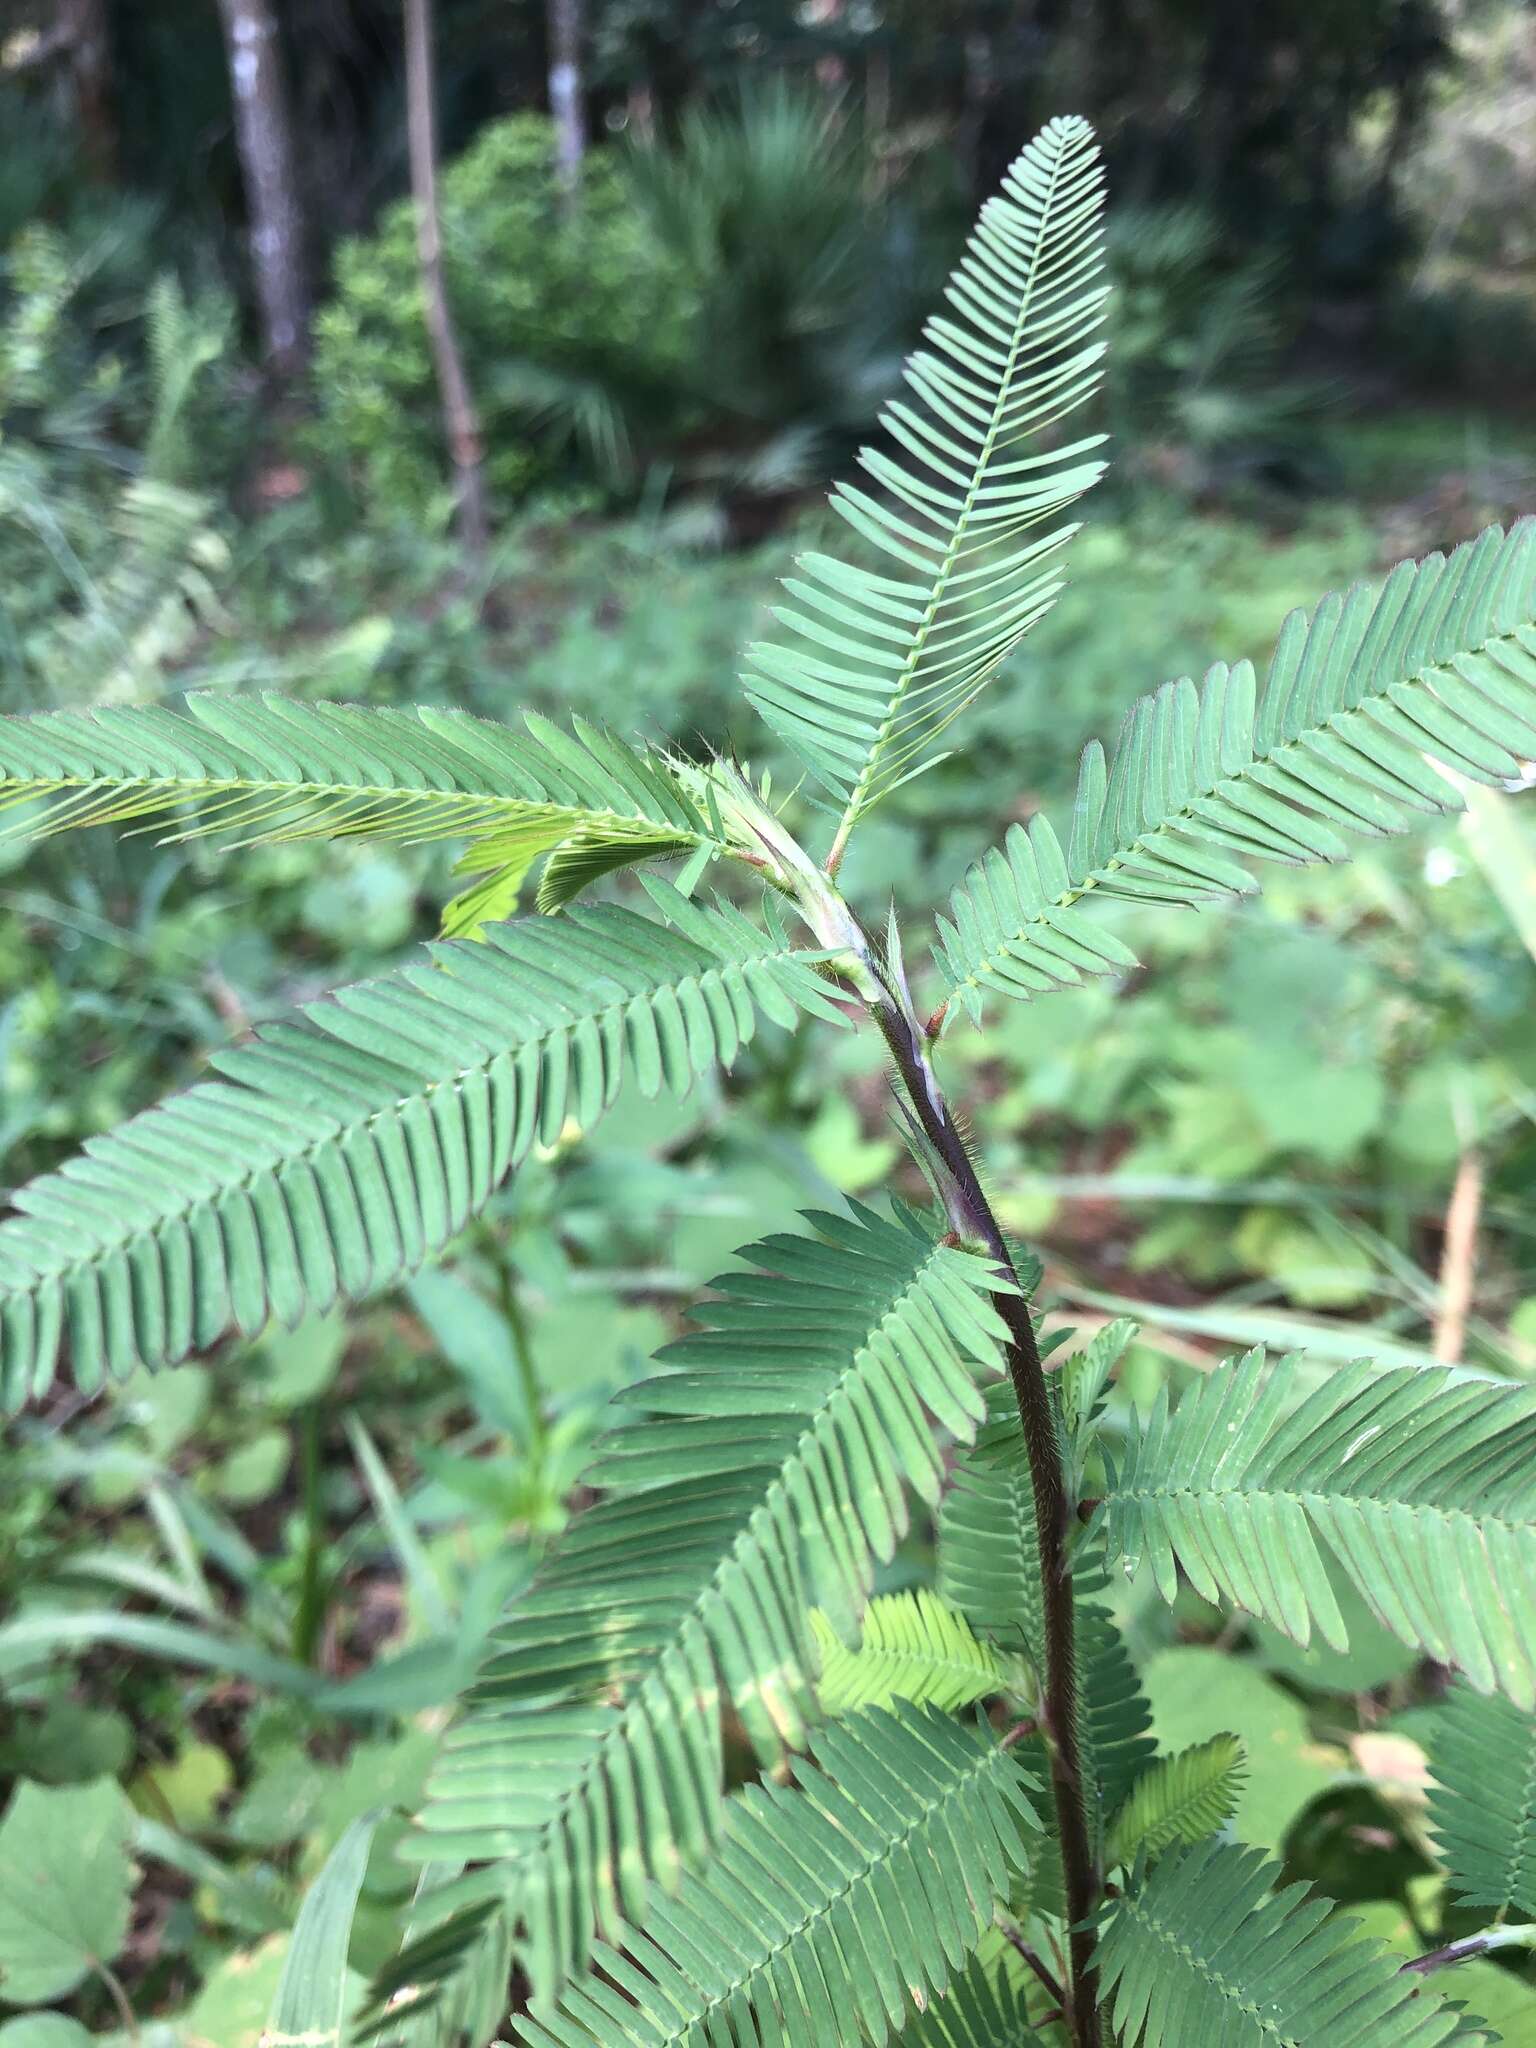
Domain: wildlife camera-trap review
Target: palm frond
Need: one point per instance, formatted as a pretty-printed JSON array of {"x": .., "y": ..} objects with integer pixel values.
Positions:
[
  {"x": 1362, "y": 698},
  {"x": 250, "y": 770},
  {"x": 1178, "y": 1799},
  {"x": 344, "y": 1146},
  {"x": 913, "y": 1647},
  {"x": 828, "y": 1908},
  {"x": 771, "y": 1470},
  {"x": 1203, "y": 1950},
  {"x": 1421, "y": 1483},
  {"x": 876, "y": 665},
  {"x": 1483, "y": 1805}
]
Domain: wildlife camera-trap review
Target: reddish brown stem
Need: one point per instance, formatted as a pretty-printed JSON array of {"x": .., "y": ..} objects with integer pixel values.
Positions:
[{"x": 1054, "y": 1513}]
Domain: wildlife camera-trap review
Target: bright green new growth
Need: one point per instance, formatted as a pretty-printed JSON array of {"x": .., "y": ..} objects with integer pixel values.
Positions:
[
  {"x": 1178, "y": 1799},
  {"x": 252, "y": 770},
  {"x": 990, "y": 1743},
  {"x": 913, "y": 1647}
]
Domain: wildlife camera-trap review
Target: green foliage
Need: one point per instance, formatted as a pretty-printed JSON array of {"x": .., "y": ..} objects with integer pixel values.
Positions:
[
  {"x": 597, "y": 294},
  {"x": 1483, "y": 1807},
  {"x": 908, "y": 653},
  {"x": 716, "y": 1768},
  {"x": 1418, "y": 1482},
  {"x": 772, "y": 1468},
  {"x": 1195, "y": 377},
  {"x": 313, "y": 1993},
  {"x": 65, "y": 1885},
  {"x": 1178, "y": 1799},
  {"x": 982, "y": 2008},
  {"x": 1442, "y": 661},
  {"x": 841, "y": 1907},
  {"x": 1198, "y": 1693},
  {"x": 764, "y": 208},
  {"x": 264, "y": 770},
  {"x": 357, "y": 1139},
  {"x": 913, "y": 1647},
  {"x": 1203, "y": 1950}
]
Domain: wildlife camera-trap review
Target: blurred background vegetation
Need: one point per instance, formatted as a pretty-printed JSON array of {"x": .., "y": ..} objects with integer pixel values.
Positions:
[{"x": 684, "y": 245}]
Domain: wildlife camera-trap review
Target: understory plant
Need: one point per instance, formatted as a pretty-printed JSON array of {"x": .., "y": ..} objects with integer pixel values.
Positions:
[{"x": 704, "y": 1788}]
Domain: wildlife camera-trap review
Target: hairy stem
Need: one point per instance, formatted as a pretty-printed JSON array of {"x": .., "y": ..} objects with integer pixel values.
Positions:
[
  {"x": 1471, "y": 1945},
  {"x": 1059, "y": 1707}
]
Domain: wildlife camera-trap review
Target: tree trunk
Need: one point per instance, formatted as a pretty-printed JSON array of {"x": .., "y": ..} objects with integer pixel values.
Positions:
[
  {"x": 461, "y": 426},
  {"x": 264, "y": 137},
  {"x": 566, "y": 96},
  {"x": 83, "y": 29}
]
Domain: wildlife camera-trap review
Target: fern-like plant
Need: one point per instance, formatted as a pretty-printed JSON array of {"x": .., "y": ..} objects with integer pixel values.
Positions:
[{"x": 957, "y": 1823}]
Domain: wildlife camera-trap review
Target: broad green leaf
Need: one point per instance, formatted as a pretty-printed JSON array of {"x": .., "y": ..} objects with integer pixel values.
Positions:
[
  {"x": 185, "y": 1789},
  {"x": 44, "y": 2030},
  {"x": 230, "y": 2011},
  {"x": 66, "y": 1879}
]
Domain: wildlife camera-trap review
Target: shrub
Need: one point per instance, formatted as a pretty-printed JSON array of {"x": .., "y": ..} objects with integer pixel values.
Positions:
[
  {"x": 580, "y": 1826},
  {"x": 595, "y": 295}
]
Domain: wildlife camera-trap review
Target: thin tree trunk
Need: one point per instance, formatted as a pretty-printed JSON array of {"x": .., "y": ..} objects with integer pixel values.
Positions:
[
  {"x": 83, "y": 26},
  {"x": 461, "y": 425},
  {"x": 264, "y": 137},
  {"x": 567, "y": 98}
]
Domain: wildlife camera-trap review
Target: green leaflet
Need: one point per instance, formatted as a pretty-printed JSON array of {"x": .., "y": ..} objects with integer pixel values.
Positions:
[
  {"x": 770, "y": 1471},
  {"x": 1361, "y": 699},
  {"x": 1483, "y": 1806},
  {"x": 913, "y": 1647},
  {"x": 874, "y": 666},
  {"x": 1202, "y": 1950},
  {"x": 984, "y": 2008},
  {"x": 988, "y": 1568},
  {"x": 1421, "y": 1483},
  {"x": 344, "y": 1146},
  {"x": 826, "y": 1907},
  {"x": 988, "y": 1559},
  {"x": 249, "y": 770},
  {"x": 1178, "y": 1799}
]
